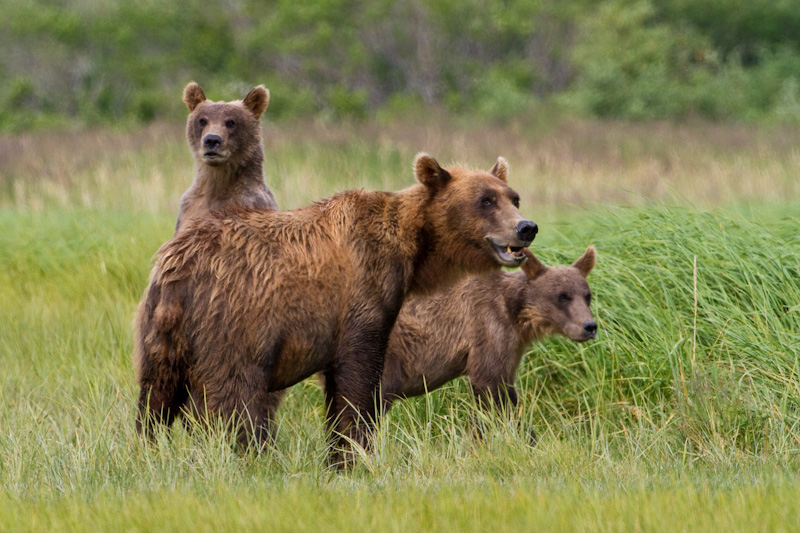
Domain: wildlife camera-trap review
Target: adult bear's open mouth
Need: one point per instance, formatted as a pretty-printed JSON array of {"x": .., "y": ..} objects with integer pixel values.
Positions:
[{"x": 508, "y": 255}]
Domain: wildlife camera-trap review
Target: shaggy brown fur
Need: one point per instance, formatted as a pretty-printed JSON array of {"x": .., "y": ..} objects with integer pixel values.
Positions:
[
  {"x": 225, "y": 139},
  {"x": 242, "y": 305},
  {"x": 481, "y": 326}
]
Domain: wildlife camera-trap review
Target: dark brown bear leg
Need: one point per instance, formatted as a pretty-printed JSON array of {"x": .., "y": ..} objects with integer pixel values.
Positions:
[
  {"x": 254, "y": 419},
  {"x": 238, "y": 396},
  {"x": 273, "y": 402},
  {"x": 352, "y": 385},
  {"x": 162, "y": 393},
  {"x": 194, "y": 409},
  {"x": 350, "y": 417},
  {"x": 500, "y": 396}
]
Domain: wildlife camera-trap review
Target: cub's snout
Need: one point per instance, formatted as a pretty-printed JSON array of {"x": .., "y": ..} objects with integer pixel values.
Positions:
[
  {"x": 589, "y": 329},
  {"x": 211, "y": 142}
]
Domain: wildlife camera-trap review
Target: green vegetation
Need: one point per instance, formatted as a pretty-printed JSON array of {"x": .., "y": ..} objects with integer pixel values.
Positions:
[
  {"x": 99, "y": 61},
  {"x": 683, "y": 414}
]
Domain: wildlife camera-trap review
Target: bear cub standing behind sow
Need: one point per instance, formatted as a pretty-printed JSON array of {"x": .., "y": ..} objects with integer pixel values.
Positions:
[
  {"x": 225, "y": 139},
  {"x": 242, "y": 305},
  {"x": 481, "y": 327}
]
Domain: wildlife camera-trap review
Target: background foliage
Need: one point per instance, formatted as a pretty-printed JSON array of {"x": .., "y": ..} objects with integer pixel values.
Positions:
[{"x": 103, "y": 61}]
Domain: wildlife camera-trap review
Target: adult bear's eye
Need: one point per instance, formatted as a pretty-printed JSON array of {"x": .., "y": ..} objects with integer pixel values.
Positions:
[
  {"x": 203, "y": 122},
  {"x": 486, "y": 201},
  {"x": 515, "y": 201},
  {"x": 230, "y": 123},
  {"x": 563, "y": 298},
  {"x": 588, "y": 299}
]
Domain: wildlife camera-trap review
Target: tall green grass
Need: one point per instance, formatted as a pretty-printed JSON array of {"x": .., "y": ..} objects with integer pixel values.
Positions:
[
  {"x": 669, "y": 393},
  {"x": 701, "y": 323},
  {"x": 683, "y": 413}
]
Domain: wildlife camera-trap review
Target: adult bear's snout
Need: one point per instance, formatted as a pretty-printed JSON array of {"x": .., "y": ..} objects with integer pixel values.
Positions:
[{"x": 526, "y": 230}]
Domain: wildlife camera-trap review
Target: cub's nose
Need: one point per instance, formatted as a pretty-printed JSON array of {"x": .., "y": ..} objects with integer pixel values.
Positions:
[
  {"x": 526, "y": 230},
  {"x": 590, "y": 328},
  {"x": 212, "y": 142}
]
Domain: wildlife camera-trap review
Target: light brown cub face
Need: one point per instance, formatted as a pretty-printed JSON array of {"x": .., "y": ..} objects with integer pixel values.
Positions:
[
  {"x": 219, "y": 132},
  {"x": 558, "y": 298},
  {"x": 476, "y": 214}
]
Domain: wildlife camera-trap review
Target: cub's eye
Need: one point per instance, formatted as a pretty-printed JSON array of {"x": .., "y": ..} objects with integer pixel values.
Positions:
[
  {"x": 515, "y": 201},
  {"x": 203, "y": 122},
  {"x": 588, "y": 299},
  {"x": 230, "y": 123},
  {"x": 563, "y": 298},
  {"x": 486, "y": 201}
]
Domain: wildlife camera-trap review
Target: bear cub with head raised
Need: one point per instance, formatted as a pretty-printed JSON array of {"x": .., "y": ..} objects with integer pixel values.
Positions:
[
  {"x": 225, "y": 140},
  {"x": 243, "y": 305},
  {"x": 481, "y": 327}
]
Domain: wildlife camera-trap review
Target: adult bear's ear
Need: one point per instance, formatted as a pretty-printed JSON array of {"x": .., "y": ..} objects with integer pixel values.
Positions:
[
  {"x": 257, "y": 100},
  {"x": 500, "y": 169},
  {"x": 532, "y": 267},
  {"x": 193, "y": 95},
  {"x": 429, "y": 173},
  {"x": 586, "y": 262}
]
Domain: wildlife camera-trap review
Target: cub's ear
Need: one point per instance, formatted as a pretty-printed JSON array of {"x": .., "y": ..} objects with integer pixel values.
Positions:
[
  {"x": 585, "y": 263},
  {"x": 429, "y": 173},
  {"x": 500, "y": 169},
  {"x": 532, "y": 267},
  {"x": 193, "y": 95},
  {"x": 257, "y": 100}
]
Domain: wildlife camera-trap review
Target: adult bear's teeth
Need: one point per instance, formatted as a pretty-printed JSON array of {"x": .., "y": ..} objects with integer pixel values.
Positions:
[{"x": 508, "y": 248}]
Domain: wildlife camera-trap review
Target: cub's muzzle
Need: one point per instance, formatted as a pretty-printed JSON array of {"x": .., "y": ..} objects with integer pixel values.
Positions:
[
  {"x": 211, "y": 142},
  {"x": 590, "y": 329}
]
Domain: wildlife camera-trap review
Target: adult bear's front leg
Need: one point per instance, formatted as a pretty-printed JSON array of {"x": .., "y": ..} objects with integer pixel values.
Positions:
[{"x": 352, "y": 381}]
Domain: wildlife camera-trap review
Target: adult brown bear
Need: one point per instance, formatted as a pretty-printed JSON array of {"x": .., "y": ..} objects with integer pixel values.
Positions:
[{"x": 255, "y": 301}]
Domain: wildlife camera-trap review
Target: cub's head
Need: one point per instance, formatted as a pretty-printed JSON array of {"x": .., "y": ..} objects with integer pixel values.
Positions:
[
  {"x": 474, "y": 215},
  {"x": 557, "y": 299},
  {"x": 224, "y": 132}
]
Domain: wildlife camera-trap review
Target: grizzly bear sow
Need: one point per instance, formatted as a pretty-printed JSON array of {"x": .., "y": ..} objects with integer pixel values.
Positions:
[
  {"x": 481, "y": 326},
  {"x": 253, "y": 302},
  {"x": 225, "y": 139}
]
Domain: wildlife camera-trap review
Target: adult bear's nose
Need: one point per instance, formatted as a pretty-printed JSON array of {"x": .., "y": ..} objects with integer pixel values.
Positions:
[
  {"x": 212, "y": 142},
  {"x": 526, "y": 230}
]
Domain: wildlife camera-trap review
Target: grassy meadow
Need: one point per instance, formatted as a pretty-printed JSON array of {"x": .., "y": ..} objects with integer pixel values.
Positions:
[{"x": 683, "y": 414}]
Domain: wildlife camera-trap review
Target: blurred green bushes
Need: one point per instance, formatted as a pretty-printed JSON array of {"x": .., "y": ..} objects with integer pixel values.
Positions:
[
  {"x": 109, "y": 62},
  {"x": 730, "y": 59}
]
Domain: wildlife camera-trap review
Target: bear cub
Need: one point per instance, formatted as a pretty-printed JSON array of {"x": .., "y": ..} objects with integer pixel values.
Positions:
[
  {"x": 482, "y": 326},
  {"x": 225, "y": 140}
]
